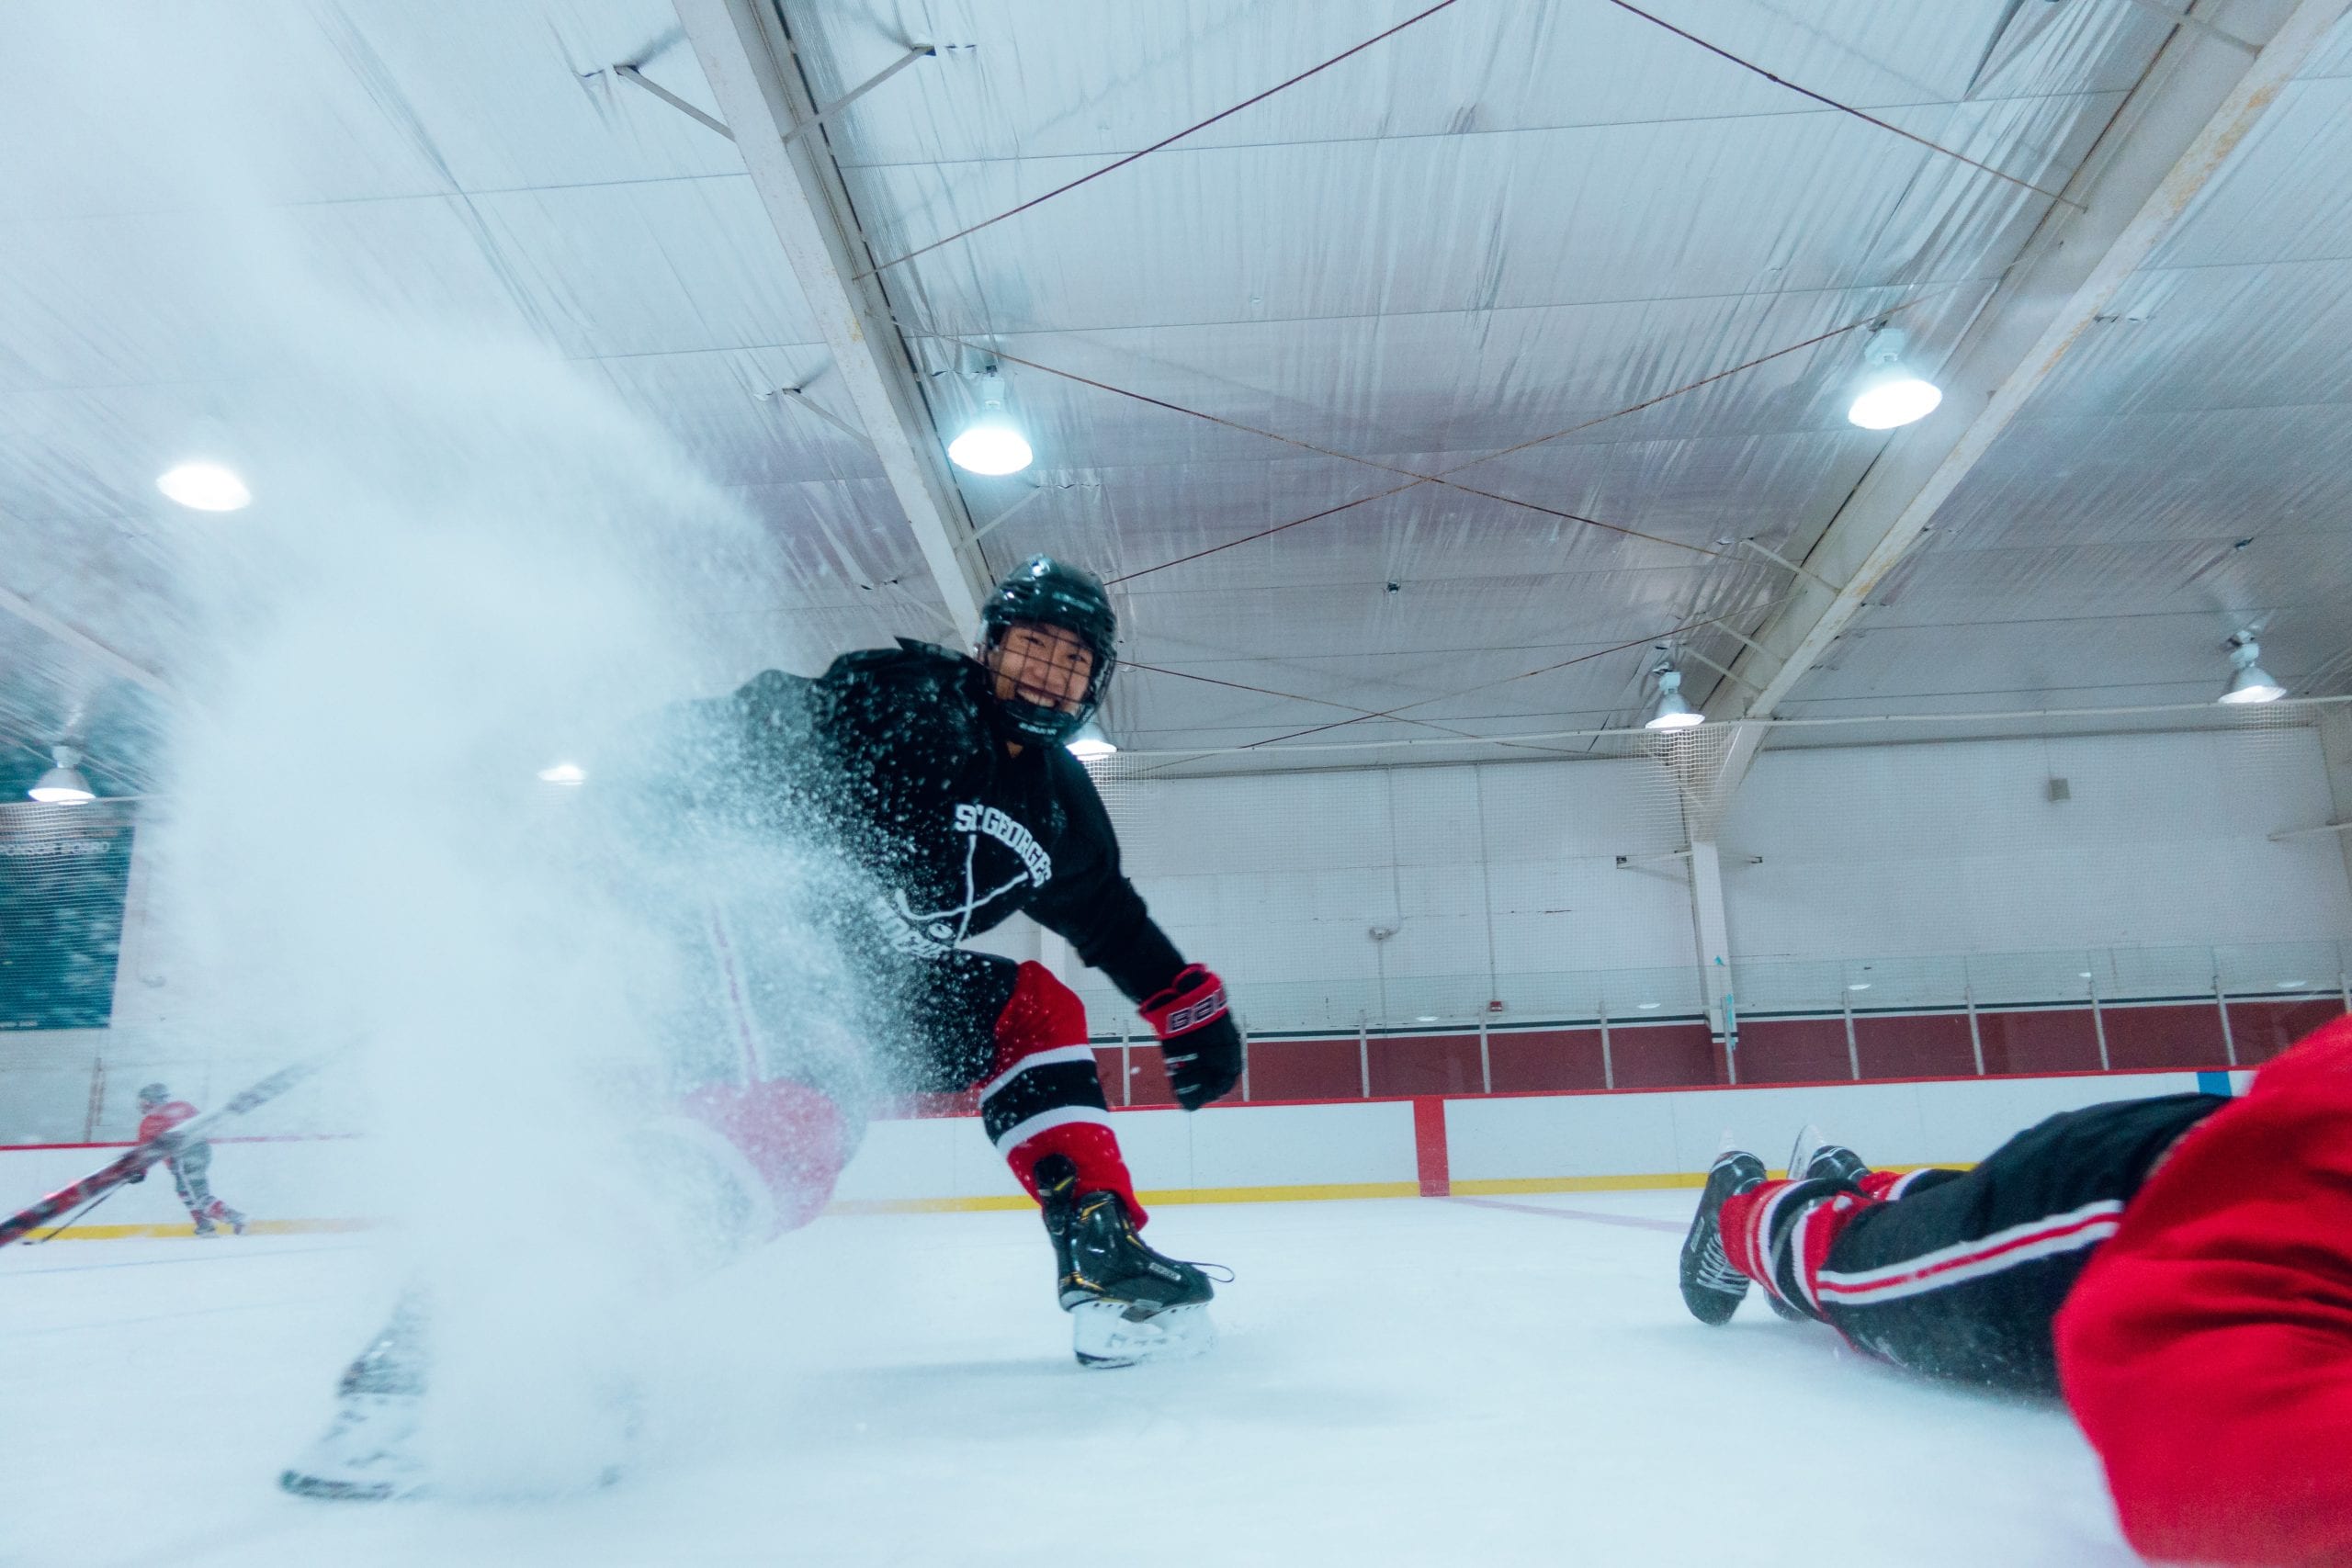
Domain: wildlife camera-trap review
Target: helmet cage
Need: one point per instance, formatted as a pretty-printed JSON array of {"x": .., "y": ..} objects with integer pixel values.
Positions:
[{"x": 1043, "y": 591}]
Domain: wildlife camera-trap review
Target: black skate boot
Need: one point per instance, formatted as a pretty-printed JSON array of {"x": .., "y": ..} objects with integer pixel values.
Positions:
[
  {"x": 1712, "y": 1288},
  {"x": 368, "y": 1453},
  {"x": 1816, "y": 1159},
  {"x": 204, "y": 1226},
  {"x": 1127, "y": 1302}
]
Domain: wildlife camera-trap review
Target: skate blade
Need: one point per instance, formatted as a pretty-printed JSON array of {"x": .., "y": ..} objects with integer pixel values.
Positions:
[
  {"x": 321, "y": 1489},
  {"x": 1103, "y": 1335},
  {"x": 302, "y": 1484},
  {"x": 1809, "y": 1142},
  {"x": 365, "y": 1455}
]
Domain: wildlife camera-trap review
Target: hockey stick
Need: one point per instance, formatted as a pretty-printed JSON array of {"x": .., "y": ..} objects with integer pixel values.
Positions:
[
  {"x": 100, "y": 1182},
  {"x": 77, "y": 1214}
]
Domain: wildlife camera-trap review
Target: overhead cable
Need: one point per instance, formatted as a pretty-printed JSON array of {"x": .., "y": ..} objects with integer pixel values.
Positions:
[
  {"x": 1441, "y": 474},
  {"x": 1824, "y": 98},
  {"x": 1527, "y": 674},
  {"x": 1293, "y": 696},
  {"x": 1414, "y": 474},
  {"x": 1163, "y": 142}
]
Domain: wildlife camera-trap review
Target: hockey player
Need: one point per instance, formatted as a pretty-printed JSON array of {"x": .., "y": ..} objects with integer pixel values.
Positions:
[
  {"x": 2179, "y": 1268},
  {"x": 943, "y": 781},
  {"x": 158, "y": 1115},
  {"x": 941, "y": 785}
]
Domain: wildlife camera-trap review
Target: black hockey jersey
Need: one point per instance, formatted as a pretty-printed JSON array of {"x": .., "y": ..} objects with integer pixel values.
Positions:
[{"x": 891, "y": 758}]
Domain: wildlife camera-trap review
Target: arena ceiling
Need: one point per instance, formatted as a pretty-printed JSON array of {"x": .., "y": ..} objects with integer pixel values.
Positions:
[{"x": 1607, "y": 282}]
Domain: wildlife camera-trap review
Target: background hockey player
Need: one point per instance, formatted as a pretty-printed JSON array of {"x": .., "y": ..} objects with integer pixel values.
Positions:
[
  {"x": 2180, "y": 1267},
  {"x": 158, "y": 1115},
  {"x": 937, "y": 788}
]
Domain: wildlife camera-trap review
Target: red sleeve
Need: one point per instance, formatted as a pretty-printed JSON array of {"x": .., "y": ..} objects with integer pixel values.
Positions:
[
  {"x": 164, "y": 1118},
  {"x": 2207, "y": 1350}
]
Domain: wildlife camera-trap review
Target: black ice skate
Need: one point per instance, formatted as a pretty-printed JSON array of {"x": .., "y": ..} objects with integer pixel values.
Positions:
[
  {"x": 1127, "y": 1302},
  {"x": 369, "y": 1454},
  {"x": 1816, "y": 1159},
  {"x": 1712, "y": 1288}
]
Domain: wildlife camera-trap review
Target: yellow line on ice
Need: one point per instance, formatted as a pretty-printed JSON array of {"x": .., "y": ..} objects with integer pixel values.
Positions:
[{"x": 1500, "y": 1187}]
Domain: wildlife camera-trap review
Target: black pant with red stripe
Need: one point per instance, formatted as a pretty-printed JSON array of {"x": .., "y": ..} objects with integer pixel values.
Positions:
[{"x": 1959, "y": 1274}]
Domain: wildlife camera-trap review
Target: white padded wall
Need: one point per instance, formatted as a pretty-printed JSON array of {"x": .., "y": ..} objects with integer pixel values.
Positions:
[{"x": 1957, "y": 847}]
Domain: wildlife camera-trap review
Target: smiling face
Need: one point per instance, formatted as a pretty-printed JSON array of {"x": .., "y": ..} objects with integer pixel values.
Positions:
[{"x": 1049, "y": 666}]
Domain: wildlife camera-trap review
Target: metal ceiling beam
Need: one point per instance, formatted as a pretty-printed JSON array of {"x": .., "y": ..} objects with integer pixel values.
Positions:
[
  {"x": 748, "y": 59},
  {"x": 2178, "y": 130},
  {"x": 75, "y": 637}
]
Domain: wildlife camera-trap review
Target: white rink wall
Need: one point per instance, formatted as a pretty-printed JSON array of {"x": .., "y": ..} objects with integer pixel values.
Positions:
[
  {"x": 1562, "y": 1141},
  {"x": 1382, "y": 1148}
]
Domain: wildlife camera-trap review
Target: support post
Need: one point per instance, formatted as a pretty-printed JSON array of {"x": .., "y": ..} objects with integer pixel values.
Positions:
[
  {"x": 1364, "y": 1058},
  {"x": 1853, "y": 1052},
  {"x": 2098, "y": 1027},
  {"x": 1975, "y": 1035},
  {"x": 1714, "y": 936},
  {"x": 1609, "y": 1069},
  {"x": 2221, "y": 1000},
  {"x": 2335, "y": 754},
  {"x": 97, "y": 1099},
  {"x": 1485, "y": 1060}
]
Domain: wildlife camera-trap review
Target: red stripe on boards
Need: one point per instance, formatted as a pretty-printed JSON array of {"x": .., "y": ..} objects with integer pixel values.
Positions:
[{"x": 1428, "y": 1147}]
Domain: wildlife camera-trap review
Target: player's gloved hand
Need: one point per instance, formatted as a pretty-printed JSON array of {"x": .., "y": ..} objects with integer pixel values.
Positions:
[
  {"x": 138, "y": 1175},
  {"x": 1197, "y": 1036}
]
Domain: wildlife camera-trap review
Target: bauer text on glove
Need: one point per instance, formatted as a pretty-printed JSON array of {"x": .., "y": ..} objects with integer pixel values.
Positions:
[{"x": 1197, "y": 1036}]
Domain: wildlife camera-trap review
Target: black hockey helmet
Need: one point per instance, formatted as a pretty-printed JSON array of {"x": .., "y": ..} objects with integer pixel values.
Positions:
[
  {"x": 153, "y": 1094},
  {"x": 1042, "y": 591}
]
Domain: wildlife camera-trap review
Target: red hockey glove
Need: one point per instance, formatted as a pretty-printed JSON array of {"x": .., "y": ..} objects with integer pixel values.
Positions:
[{"x": 1197, "y": 1036}]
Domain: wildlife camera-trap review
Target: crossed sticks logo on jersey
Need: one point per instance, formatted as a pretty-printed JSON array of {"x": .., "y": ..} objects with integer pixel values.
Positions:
[{"x": 931, "y": 933}]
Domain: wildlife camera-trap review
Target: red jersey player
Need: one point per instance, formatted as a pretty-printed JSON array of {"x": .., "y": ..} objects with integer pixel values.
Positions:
[{"x": 158, "y": 1115}]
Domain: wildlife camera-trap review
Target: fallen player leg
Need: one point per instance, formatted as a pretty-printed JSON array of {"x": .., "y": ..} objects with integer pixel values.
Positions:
[{"x": 1955, "y": 1274}]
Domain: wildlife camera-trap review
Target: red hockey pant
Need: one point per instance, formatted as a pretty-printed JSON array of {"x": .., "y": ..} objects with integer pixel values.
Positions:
[{"x": 1043, "y": 1096}]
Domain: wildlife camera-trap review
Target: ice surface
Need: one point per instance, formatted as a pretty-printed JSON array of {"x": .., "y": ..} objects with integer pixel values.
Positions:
[{"x": 1407, "y": 1382}]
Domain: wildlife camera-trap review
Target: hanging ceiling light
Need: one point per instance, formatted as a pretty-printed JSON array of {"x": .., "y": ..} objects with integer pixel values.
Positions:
[
  {"x": 1090, "y": 742},
  {"x": 1673, "y": 711},
  {"x": 62, "y": 784},
  {"x": 204, "y": 487},
  {"x": 990, "y": 444},
  {"x": 1890, "y": 395},
  {"x": 563, "y": 774},
  {"x": 2249, "y": 681}
]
